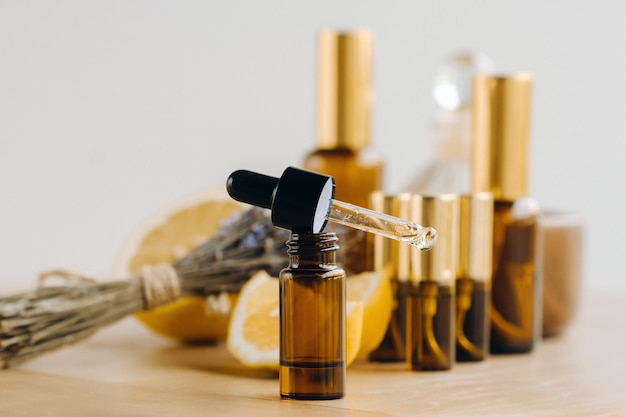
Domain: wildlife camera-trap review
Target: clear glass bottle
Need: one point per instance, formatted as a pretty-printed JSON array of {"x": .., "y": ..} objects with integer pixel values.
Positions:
[
  {"x": 344, "y": 148},
  {"x": 430, "y": 300},
  {"x": 449, "y": 170},
  {"x": 473, "y": 277},
  {"x": 500, "y": 166},
  {"x": 312, "y": 320}
]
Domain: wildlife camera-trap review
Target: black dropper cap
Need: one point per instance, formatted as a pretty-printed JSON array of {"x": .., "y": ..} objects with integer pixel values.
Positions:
[{"x": 300, "y": 200}]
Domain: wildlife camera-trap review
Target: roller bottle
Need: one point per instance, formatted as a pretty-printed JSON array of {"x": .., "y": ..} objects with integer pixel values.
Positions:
[
  {"x": 473, "y": 278},
  {"x": 430, "y": 299},
  {"x": 392, "y": 259}
]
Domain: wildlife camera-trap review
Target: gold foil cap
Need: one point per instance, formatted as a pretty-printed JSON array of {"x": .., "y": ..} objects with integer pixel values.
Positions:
[
  {"x": 401, "y": 252},
  {"x": 380, "y": 202},
  {"x": 344, "y": 89},
  {"x": 440, "y": 263},
  {"x": 476, "y": 236},
  {"x": 501, "y": 129},
  {"x": 391, "y": 256}
]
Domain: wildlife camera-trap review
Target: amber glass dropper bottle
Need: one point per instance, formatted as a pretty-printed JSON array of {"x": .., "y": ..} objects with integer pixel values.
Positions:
[
  {"x": 500, "y": 153},
  {"x": 312, "y": 350},
  {"x": 312, "y": 320},
  {"x": 312, "y": 289},
  {"x": 344, "y": 151}
]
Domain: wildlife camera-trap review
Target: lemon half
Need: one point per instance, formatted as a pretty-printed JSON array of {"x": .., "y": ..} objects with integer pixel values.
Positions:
[
  {"x": 168, "y": 235},
  {"x": 253, "y": 336}
]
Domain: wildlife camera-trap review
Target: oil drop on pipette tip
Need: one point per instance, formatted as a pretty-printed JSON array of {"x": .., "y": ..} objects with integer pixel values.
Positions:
[{"x": 382, "y": 224}]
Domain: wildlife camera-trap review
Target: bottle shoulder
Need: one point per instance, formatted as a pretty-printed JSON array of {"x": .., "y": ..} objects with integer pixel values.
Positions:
[
  {"x": 357, "y": 173},
  {"x": 369, "y": 153},
  {"x": 312, "y": 272},
  {"x": 521, "y": 212},
  {"x": 522, "y": 207}
]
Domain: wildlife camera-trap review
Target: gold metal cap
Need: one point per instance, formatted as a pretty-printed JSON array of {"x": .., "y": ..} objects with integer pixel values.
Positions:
[
  {"x": 380, "y": 202},
  {"x": 391, "y": 256},
  {"x": 401, "y": 252},
  {"x": 476, "y": 236},
  {"x": 440, "y": 263},
  {"x": 501, "y": 129},
  {"x": 344, "y": 89}
]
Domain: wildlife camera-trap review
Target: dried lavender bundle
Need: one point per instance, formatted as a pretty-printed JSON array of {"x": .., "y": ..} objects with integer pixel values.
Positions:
[{"x": 50, "y": 317}]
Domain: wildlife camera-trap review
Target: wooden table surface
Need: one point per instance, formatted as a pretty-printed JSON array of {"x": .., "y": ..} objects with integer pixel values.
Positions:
[{"x": 125, "y": 370}]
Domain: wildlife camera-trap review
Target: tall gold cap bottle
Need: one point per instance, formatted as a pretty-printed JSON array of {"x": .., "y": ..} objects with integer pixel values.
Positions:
[
  {"x": 500, "y": 160},
  {"x": 343, "y": 150},
  {"x": 501, "y": 131},
  {"x": 344, "y": 89}
]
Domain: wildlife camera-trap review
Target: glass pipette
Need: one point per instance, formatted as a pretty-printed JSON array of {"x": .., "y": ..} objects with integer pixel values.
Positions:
[
  {"x": 382, "y": 224},
  {"x": 302, "y": 201}
]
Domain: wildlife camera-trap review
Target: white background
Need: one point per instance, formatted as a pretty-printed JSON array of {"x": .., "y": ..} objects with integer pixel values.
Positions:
[{"x": 110, "y": 110}]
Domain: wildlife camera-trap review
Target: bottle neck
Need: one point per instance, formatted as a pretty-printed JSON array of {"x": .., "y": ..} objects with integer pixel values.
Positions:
[{"x": 312, "y": 250}]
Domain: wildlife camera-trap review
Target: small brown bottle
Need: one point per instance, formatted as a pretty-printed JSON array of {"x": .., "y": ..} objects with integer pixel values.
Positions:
[
  {"x": 501, "y": 127},
  {"x": 473, "y": 278},
  {"x": 430, "y": 300},
  {"x": 392, "y": 258},
  {"x": 312, "y": 288},
  {"x": 312, "y": 320},
  {"x": 344, "y": 148}
]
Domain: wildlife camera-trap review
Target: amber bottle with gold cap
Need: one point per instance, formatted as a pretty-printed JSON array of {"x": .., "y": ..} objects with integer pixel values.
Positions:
[
  {"x": 344, "y": 151},
  {"x": 392, "y": 259},
  {"x": 501, "y": 115},
  {"x": 430, "y": 300},
  {"x": 473, "y": 277}
]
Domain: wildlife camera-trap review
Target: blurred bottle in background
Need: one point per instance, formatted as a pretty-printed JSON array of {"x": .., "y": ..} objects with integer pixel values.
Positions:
[
  {"x": 344, "y": 107},
  {"x": 449, "y": 169}
]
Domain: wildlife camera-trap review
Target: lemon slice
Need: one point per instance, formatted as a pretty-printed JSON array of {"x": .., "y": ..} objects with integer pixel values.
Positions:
[
  {"x": 373, "y": 289},
  {"x": 253, "y": 334},
  {"x": 168, "y": 235}
]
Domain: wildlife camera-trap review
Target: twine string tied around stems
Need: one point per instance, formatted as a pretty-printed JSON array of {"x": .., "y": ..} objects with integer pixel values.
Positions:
[{"x": 161, "y": 285}]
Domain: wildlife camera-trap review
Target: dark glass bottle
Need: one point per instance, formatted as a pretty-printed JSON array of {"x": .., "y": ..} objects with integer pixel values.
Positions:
[
  {"x": 473, "y": 278},
  {"x": 501, "y": 127},
  {"x": 515, "y": 309},
  {"x": 312, "y": 320},
  {"x": 430, "y": 296},
  {"x": 430, "y": 326},
  {"x": 392, "y": 259}
]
